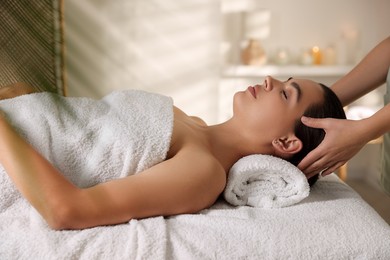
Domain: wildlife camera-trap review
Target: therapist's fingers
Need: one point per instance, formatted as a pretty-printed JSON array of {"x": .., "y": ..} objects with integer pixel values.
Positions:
[
  {"x": 306, "y": 165},
  {"x": 309, "y": 163},
  {"x": 323, "y": 166},
  {"x": 321, "y": 159},
  {"x": 332, "y": 168},
  {"x": 314, "y": 161},
  {"x": 316, "y": 169},
  {"x": 322, "y": 123}
]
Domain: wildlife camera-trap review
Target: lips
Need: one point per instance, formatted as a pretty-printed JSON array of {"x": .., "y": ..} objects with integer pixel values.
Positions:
[{"x": 252, "y": 91}]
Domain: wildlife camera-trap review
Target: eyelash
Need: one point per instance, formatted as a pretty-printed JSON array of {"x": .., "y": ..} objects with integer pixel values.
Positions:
[{"x": 284, "y": 94}]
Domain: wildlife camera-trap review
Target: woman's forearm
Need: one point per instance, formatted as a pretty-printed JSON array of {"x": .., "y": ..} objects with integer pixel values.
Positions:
[
  {"x": 39, "y": 182},
  {"x": 369, "y": 74}
]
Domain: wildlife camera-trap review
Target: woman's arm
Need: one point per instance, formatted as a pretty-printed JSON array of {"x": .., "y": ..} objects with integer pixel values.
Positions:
[
  {"x": 16, "y": 89},
  {"x": 179, "y": 185},
  {"x": 35, "y": 177},
  {"x": 369, "y": 74}
]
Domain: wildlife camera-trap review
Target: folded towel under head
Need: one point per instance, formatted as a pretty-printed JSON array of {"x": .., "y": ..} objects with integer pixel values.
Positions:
[{"x": 265, "y": 181}]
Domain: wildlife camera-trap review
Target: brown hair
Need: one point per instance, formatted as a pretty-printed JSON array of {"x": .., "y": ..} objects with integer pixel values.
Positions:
[{"x": 312, "y": 137}]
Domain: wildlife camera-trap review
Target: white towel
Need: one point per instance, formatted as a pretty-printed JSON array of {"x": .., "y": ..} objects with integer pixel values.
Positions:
[
  {"x": 90, "y": 141},
  {"x": 265, "y": 181}
]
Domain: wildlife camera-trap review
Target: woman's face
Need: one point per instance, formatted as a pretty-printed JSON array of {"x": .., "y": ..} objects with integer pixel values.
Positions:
[{"x": 271, "y": 109}]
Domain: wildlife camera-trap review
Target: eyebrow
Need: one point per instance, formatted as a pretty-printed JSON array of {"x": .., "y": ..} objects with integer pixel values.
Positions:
[{"x": 299, "y": 90}]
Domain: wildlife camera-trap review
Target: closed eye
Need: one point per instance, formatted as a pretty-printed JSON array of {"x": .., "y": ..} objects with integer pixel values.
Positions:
[{"x": 284, "y": 94}]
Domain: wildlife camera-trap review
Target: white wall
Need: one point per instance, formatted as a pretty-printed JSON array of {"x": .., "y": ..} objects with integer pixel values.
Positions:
[{"x": 170, "y": 47}]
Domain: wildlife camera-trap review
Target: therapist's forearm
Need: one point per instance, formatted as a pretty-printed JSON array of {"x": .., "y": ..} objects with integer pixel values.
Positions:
[
  {"x": 378, "y": 124},
  {"x": 369, "y": 74}
]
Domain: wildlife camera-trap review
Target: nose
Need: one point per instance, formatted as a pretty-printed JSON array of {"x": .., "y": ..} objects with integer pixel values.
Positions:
[{"x": 268, "y": 83}]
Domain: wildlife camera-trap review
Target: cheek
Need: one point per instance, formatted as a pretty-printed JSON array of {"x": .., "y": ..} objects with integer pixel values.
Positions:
[
  {"x": 271, "y": 112},
  {"x": 265, "y": 115},
  {"x": 276, "y": 121},
  {"x": 271, "y": 120},
  {"x": 267, "y": 119}
]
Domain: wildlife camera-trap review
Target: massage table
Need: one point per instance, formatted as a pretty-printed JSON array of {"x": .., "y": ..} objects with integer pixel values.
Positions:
[{"x": 334, "y": 222}]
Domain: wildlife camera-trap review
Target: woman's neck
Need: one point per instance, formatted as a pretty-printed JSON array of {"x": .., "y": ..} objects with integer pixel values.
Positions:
[
  {"x": 228, "y": 145},
  {"x": 227, "y": 142}
]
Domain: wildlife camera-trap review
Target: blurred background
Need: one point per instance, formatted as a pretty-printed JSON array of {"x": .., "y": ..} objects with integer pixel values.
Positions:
[{"x": 201, "y": 51}]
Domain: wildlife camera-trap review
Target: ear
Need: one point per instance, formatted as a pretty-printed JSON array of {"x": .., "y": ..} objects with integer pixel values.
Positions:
[{"x": 287, "y": 145}]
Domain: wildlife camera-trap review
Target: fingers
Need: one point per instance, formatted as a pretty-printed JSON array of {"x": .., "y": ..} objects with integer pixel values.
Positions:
[
  {"x": 310, "y": 162},
  {"x": 317, "y": 161},
  {"x": 325, "y": 170},
  {"x": 314, "y": 122},
  {"x": 306, "y": 165},
  {"x": 333, "y": 151},
  {"x": 333, "y": 168}
]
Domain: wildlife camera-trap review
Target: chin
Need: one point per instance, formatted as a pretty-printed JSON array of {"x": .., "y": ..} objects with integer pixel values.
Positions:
[{"x": 237, "y": 101}]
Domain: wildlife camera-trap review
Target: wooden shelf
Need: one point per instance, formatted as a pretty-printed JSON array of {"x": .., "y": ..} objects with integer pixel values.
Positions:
[{"x": 242, "y": 71}]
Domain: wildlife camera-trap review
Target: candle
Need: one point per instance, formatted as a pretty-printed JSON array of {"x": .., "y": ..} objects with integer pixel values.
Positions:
[
  {"x": 306, "y": 57},
  {"x": 330, "y": 57},
  {"x": 317, "y": 56},
  {"x": 282, "y": 57}
]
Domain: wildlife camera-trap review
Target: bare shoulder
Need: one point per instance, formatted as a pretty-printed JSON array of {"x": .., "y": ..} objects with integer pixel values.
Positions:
[
  {"x": 16, "y": 89},
  {"x": 199, "y": 177},
  {"x": 202, "y": 166},
  {"x": 198, "y": 120},
  {"x": 195, "y": 175}
]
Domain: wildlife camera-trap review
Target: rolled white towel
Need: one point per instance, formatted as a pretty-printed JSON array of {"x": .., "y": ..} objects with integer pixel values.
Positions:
[{"x": 265, "y": 181}]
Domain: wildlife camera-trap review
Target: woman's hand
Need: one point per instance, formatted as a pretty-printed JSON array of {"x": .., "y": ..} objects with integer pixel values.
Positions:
[{"x": 343, "y": 139}]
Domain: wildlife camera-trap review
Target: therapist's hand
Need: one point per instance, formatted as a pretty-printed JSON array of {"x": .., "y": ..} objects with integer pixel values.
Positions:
[{"x": 343, "y": 139}]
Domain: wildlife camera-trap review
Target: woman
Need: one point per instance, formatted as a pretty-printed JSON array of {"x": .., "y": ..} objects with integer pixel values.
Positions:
[
  {"x": 266, "y": 120},
  {"x": 344, "y": 138}
]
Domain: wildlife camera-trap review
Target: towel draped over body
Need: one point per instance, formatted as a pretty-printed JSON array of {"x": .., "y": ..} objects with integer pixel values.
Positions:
[{"x": 91, "y": 141}]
